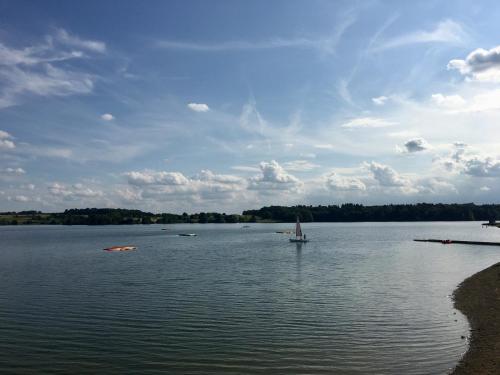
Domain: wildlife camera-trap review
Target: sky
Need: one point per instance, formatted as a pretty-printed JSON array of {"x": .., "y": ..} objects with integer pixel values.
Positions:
[{"x": 189, "y": 106}]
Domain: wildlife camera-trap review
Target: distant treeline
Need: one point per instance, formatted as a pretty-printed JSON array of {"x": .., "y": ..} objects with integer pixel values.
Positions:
[
  {"x": 112, "y": 216},
  {"x": 391, "y": 212},
  {"x": 331, "y": 213}
]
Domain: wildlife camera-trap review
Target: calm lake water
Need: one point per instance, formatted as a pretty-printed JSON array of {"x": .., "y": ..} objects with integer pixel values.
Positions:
[{"x": 360, "y": 298}]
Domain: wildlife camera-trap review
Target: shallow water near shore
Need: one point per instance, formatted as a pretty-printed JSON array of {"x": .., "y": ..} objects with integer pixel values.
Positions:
[{"x": 360, "y": 298}]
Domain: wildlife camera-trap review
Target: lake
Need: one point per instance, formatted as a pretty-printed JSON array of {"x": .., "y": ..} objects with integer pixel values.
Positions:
[{"x": 359, "y": 298}]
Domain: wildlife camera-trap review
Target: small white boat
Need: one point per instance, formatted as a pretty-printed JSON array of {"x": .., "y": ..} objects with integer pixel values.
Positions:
[
  {"x": 188, "y": 234},
  {"x": 299, "y": 237}
]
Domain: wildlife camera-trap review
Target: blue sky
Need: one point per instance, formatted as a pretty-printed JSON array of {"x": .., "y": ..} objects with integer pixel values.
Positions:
[{"x": 227, "y": 105}]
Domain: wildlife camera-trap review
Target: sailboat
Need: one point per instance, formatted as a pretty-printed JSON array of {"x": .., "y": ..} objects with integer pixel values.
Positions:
[{"x": 298, "y": 234}]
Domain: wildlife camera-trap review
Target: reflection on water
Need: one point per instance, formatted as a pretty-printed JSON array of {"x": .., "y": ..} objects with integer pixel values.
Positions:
[
  {"x": 298, "y": 246},
  {"x": 357, "y": 299}
]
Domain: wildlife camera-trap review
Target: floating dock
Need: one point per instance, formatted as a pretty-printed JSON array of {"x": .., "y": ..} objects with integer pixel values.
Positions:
[{"x": 448, "y": 242}]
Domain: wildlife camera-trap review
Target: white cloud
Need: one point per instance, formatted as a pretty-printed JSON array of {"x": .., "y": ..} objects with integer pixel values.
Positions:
[
  {"x": 325, "y": 45},
  {"x": 274, "y": 177},
  {"x": 198, "y": 107},
  {"x": 484, "y": 188},
  {"x": 447, "y": 31},
  {"x": 380, "y": 100},
  {"x": 367, "y": 122},
  {"x": 466, "y": 160},
  {"x": 5, "y": 142},
  {"x": 480, "y": 64},
  {"x": 300, "y": 166},
  {"x": 149, "y": 177},
  {"x": 435, "y": 186},
  {"x": 416, "y": 145},
  {"x": 14, "y": 171},
  {"x": 448, "y": 101},
  {"x": 107, "y": 117},
  {"x": 71, "y": 40},
  {"x": 4, "y": 134},
  {"x": 343, "y": 183},
  {"x": 386, "y": 176},
  {"x": 129, "y": 195},
  {"x": 245, "y": 168},
  {"x": 325, "y": 146},
  {"x": 21, "y": 198},
  {"x": 70, "y": 192},
  {"x": 487, "y": 100},
  {"x": 34, "y": 70},
  {"x": 154, "y": 186}
]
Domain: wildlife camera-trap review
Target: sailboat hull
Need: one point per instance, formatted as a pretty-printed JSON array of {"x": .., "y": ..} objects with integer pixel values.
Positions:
[{"x": 296, "y": 240}]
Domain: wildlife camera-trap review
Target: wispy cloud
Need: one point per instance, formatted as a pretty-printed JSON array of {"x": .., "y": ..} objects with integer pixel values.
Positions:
[
  {"x": 325, "y": 44},
  {"x": 36, "y": 70},
  {"x": 380, "y": 100},
  {"x": 367, "y": 122},
  {"x": 72, "y": 40},
  {"x": 300, "y": 166},
  {"x": 447, "y": 31}
]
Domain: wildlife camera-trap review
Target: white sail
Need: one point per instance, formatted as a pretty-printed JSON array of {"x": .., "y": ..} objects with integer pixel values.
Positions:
[{"x": 298, "y": 230}]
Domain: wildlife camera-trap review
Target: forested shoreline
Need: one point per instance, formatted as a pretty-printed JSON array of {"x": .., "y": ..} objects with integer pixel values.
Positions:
[{"x": 332, "y": 213}]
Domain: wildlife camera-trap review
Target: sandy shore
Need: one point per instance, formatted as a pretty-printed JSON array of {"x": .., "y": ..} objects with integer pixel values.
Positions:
[{"x": 478, "y": 298}]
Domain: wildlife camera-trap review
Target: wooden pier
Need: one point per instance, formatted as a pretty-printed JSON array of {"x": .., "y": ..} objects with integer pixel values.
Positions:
[{"x": 449, "y": 242}]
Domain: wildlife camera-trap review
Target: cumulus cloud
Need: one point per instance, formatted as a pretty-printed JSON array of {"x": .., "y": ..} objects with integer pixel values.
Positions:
[
  {"x": 198, "y": 107},
  {"x": 448, "y": 101},
  {"x": 465, "y": 160},
  {"x": 107, "y": 117},
  {"x": 14, "y": 171},
  {"x": 416, "y": 145},
  {"x": 76, "y": 191},
  {"x": 129, "y": 195},
  {"x": 484, "y": 188},
  {"x": 245, "y": 168},
  {"x": 5, "y": 142},
  {"x": 38, "y": 69},
  {"x": 435, "y": 186},
  {"x": 481, "y": 166},
  {"x": 386, "y": 176},
  {"x": 149, "y": 177},
  {"x": 274, "y": 177},
  {"x": 480, "y": 64},
  {"x": 344, "y": 183},
  {"x": 391, "y": 182},
  {"x": 163, "y": 186},
  {"x": 21, "y": 198},
  {"x": 367, "y": 122},
  {"x": 380, "y": 100}
]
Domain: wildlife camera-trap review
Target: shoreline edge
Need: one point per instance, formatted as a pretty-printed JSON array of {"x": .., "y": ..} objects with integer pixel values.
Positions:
[{"x": 478, "y": 298}]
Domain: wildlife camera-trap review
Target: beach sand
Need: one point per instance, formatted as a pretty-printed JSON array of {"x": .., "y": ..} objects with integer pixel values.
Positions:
[{"x": 478, "y": 298}]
